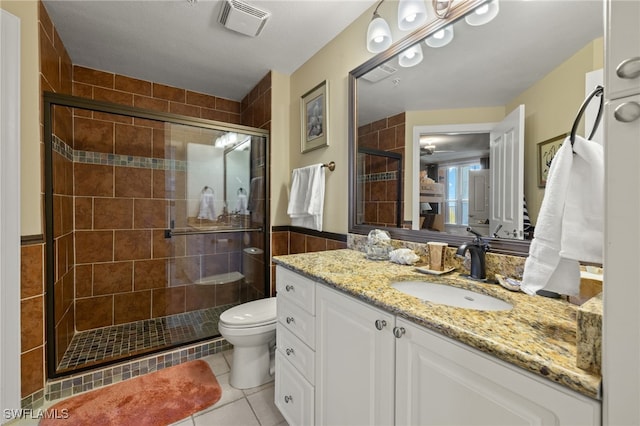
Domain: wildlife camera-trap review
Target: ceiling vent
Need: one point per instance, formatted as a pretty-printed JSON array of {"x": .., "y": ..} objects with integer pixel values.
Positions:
[
  {"x": 242, "y": 17},
  {"x": 379, "y": 73}
]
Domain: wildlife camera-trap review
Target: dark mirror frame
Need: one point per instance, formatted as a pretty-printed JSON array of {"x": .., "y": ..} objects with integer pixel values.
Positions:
[{"x": 498, "y": 245}]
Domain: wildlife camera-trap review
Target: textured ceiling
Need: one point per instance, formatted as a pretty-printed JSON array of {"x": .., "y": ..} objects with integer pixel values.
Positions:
[{"x": 181, "y": 43}]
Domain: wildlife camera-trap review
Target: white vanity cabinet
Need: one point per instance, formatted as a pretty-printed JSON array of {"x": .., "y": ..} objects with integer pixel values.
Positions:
[
  {"x": 374, "y": 368},
  {"x": 442, "y": 382},
  {"x": 295, "y": 347},
  {"x": 355, "y": 361}
]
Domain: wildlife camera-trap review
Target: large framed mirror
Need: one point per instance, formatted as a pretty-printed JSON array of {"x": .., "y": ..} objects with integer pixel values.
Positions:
[{"x": 468, "y": 118}]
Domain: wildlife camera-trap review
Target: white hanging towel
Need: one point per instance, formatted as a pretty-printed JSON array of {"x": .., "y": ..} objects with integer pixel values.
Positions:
[
  {"x": 207, "y": 209},
  {"x": 241, "y": 205},
  {"x": 570, "y": 225},
  {"x": 306, "y": 200}
]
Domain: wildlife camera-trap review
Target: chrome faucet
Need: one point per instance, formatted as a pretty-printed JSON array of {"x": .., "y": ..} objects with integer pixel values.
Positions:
[{"x": 478, "y": 247}]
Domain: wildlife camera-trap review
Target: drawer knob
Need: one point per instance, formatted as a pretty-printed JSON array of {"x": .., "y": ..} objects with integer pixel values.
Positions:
[
  {"x": 288, "y": 399},
  {"x": 289, "y": 351},
  {"x": 627, "y": 112},
  {"x": 290, "y": 320},
  {"x": 380, "y": 324},
  {"x": 399, "y": 331},
  {"x": 289, "y": 287},
  {"x": 629, "y": 68}
]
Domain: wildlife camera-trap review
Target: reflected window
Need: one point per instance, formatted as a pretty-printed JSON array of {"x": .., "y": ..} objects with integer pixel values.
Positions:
[{"x": 457, "y": 192}]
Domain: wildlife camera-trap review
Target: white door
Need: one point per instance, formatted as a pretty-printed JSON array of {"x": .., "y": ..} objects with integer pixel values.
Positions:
[
  {"x": 479, "y": 198},
  {"x": 355, "y": 361},
  {"x": 9, "y": 211},
  {"x": 507, "y": 176}
]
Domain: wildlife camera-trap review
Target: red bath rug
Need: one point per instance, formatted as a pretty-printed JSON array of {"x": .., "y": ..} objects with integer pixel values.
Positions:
[{"x": 158, "y": 398}]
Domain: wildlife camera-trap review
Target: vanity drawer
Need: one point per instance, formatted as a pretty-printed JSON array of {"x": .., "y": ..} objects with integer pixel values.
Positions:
[
  {"x": 296, "y": 288},
  {"x": 298, "y": 354},
  {"x": 294, "y": 396},
  {"x": 296, "y": 320}
]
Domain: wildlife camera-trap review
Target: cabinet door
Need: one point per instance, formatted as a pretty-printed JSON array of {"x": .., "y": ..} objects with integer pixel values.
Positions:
[
  {"x": 622, "y": 48},
  {"x": 354, "y": 362},
  {"x": 441, "y": 382},
  {"x": 621, "y": 349},
  {"x": 293, "y": 395}
]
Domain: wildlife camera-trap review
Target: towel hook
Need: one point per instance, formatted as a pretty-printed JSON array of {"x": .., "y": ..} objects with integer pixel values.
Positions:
[{"x": 598, "y": 91}]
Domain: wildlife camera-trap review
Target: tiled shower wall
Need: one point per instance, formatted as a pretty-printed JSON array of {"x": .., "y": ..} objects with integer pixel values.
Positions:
[
  {"x": 56, "y": 76},
  {"x": 380, "y": 180}
]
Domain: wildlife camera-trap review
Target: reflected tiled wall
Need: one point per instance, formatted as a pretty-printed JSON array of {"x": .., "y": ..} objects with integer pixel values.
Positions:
[{"x": 380, "y": 180}]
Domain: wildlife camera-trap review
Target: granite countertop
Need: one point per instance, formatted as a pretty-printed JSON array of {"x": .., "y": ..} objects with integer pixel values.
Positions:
[{"x": 538, "y": 334}]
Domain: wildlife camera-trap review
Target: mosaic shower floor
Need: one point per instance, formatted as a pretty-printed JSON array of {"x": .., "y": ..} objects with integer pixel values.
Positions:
[{"x": 118, "y": 341}]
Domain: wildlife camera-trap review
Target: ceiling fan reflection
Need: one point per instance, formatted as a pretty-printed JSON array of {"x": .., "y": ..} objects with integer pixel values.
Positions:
[{"x": 431, "y": 150}]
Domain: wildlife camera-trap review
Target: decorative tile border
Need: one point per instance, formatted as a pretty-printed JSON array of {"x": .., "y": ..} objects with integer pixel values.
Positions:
[
  {"x": 82, "y": 382},
  {"x": 378, "y": 177},
  {"x": 88, "y": 157}
]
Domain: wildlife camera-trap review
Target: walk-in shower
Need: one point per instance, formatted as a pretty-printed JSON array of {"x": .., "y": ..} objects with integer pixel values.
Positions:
[{"x": 156, "y": 223}]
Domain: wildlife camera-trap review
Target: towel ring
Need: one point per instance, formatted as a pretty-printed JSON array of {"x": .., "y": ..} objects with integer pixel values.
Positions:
[{"x": 598, "y": 91}]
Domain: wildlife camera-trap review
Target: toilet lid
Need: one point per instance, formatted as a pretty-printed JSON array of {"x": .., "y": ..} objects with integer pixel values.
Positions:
[{"x": 257, "y": 312}]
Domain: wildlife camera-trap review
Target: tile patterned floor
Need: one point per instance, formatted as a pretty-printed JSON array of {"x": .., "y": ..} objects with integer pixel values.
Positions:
[
  {"x": 108, "y": 343},
  {"x": 249, "y": 407}
]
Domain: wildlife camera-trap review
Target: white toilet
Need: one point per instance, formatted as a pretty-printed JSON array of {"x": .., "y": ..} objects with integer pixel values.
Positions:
[{"x": 251, "y": 329}]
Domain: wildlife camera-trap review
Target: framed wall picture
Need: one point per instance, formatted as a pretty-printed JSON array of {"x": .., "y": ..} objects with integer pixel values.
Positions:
[
  {"x": 314, "y": 116},
  {"x": 546, "y": 151}
]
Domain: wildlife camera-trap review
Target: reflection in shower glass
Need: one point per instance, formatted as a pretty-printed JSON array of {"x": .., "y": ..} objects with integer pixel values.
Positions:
[{"x": 156, "y": 229}]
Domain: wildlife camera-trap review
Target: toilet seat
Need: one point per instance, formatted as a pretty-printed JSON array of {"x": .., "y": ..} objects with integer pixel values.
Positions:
[{"x": 251, "y": 314}]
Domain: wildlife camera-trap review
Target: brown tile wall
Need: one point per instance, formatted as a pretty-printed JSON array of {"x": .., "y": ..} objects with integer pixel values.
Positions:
[
  {"x": 256, "y": 106},
  {"x": 380, "y": 197},
  {"x": 55, "y": 76},
  {"x": 294, "y": 242},
  {"x": 32, "y": 301}
]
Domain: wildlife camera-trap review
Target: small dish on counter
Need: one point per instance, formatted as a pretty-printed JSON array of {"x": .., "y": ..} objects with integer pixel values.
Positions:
[{"x": 425, "y": 270}]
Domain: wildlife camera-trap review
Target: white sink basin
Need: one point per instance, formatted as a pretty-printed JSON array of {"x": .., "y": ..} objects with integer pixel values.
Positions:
[{"x": 443, "y": 294}]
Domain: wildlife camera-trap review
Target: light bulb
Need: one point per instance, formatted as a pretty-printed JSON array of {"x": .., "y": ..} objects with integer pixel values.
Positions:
[
  {"x": 378, "y": 35},
  {"x": 483, "y": 14},
  {"x": 441, "y": 37},
  {"x": 411, "y": 14},
  {"x": 410, "y": 57},
  {"x": 482, "y": 9}
]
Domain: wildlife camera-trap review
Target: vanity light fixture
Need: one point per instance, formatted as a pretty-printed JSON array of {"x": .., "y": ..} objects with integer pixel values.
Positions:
[
  {"x": 411, "y": 57},
  {"x": 441, "y": 37},
  {"x": 378, "y": 33},
  {"x": 483, "y": 14},
  {"x": 411, "y": 14},
  {"x": 226, "y": 139}
]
